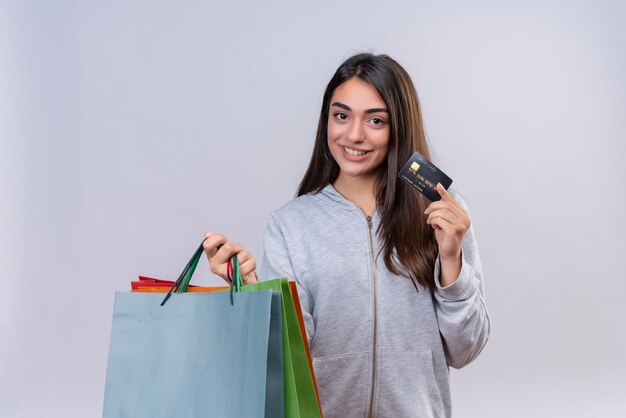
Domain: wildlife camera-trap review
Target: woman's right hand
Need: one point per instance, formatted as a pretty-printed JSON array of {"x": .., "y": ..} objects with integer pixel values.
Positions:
[{"x": 218, "y": 258}]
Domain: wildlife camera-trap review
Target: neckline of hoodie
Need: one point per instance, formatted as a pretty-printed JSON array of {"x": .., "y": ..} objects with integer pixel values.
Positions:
[{"x": 330, "y": 193}]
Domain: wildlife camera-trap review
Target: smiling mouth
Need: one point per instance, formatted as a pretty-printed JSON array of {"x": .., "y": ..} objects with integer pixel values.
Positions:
[{"x": 354, "y": 152}]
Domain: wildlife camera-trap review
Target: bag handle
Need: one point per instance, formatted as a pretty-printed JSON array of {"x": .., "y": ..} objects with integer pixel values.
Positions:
[{"x": 182, "y": 283}]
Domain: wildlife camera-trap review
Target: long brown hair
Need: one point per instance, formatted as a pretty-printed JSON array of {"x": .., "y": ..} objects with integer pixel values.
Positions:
[{"x": 409, "y": 247}]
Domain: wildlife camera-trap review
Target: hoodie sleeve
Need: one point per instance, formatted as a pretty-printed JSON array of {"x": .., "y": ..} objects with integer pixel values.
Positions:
[
  {"x": 277, "y": 263},
  {"x": 461, "y": 312}
]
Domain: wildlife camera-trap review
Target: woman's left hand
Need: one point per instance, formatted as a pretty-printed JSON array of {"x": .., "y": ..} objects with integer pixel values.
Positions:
[{"x": 450, "y": 222}]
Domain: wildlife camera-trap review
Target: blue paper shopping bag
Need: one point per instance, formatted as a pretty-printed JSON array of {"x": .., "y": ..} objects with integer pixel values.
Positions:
[{"x": 198, "y": 355}]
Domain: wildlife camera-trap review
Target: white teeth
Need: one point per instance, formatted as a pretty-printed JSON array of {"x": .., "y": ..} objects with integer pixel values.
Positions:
[{"x": 353, "y": 152}]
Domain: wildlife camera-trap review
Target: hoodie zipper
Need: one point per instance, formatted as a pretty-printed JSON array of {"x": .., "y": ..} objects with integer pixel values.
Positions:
[{"x": 369, "y": 224}]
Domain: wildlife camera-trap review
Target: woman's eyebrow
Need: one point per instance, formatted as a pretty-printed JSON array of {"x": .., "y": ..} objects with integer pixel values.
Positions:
[{"x": 373, "y": 110}]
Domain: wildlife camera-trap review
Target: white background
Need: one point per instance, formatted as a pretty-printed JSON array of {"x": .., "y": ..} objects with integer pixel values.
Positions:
[{"x": 128, "y": 128}]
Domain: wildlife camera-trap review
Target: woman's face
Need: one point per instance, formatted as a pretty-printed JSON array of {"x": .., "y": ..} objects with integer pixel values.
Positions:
[{"x": 358, "y": 128}]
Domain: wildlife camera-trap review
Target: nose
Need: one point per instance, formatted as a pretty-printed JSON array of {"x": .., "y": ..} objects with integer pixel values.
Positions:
[{"x": 356, "y": 132}]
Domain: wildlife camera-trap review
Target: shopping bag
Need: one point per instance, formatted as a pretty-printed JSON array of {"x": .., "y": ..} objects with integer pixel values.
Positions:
[
  {"x": 300, "y": 392},
  {"x": 199, "y": 355},
  {"x": 152, "y": 285}
]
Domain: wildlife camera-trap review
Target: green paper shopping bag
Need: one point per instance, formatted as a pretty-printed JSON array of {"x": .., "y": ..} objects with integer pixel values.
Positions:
[{"x": 300, "y": 394}]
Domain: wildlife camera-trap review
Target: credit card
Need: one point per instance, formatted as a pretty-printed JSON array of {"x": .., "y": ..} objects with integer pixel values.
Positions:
[{"x": 424, "y": 176}]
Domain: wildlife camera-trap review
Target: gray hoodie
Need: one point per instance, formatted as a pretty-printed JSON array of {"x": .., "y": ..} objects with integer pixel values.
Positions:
[{"x": 380, "y": 348}]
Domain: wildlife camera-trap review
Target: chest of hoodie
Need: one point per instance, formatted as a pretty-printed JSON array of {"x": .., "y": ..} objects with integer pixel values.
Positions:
[{"x": 351, "y": 292}]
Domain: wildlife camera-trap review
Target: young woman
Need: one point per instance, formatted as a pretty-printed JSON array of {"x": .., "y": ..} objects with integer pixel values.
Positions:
[{"x": 390, "y": 284}]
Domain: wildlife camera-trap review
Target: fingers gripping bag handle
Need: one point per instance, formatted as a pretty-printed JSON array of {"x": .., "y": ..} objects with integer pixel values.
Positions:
[{"x": 182, "y": 283}]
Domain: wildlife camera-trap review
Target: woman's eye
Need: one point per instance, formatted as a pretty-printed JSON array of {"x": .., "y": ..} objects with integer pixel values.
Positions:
[
  {"x": 377, "y": 121},
  {"x": 341, "y": 116}
]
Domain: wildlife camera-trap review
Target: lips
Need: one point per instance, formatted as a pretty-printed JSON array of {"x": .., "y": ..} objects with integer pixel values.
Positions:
[{"x": 352, "y": 154}]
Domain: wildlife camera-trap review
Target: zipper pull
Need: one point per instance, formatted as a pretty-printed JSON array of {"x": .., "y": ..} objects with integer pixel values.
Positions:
[{"x": 369, "y": 221}]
